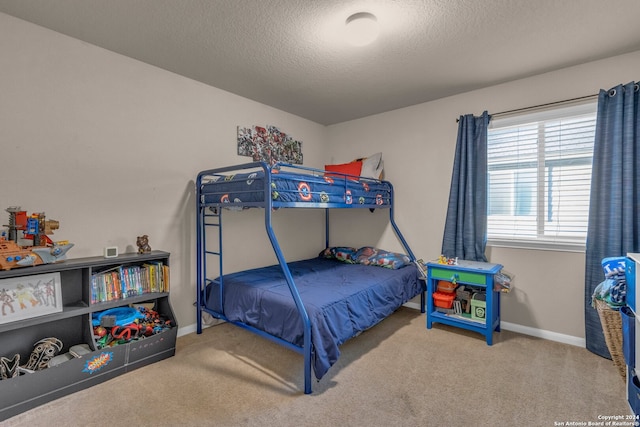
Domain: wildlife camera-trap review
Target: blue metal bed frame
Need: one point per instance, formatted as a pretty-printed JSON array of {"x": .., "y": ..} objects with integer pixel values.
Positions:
[{"x": 215, "y": 214}]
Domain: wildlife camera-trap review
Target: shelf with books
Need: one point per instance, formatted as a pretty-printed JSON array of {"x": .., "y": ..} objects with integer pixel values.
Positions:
[
  {"x": 71, "y": 327},
  {"x": 126, "y": 281}
]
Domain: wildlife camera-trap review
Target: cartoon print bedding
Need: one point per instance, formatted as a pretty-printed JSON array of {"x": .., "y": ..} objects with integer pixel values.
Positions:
[{"x": 325, "y": 188}]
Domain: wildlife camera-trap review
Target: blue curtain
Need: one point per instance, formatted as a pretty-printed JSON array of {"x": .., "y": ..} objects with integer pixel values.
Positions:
[
  {"x": 614, "y": 211},
  {"x": 465, "y": 230}
]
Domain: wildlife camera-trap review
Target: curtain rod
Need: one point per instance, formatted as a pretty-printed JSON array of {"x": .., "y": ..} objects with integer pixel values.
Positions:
[{"x": 580, "y": 98}]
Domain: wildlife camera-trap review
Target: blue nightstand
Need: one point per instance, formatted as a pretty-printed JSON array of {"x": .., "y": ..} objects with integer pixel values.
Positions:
[{"x": 477, "y": 275}]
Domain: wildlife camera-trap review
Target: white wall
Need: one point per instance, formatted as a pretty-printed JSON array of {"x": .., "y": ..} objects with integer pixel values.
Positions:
[
  {"x": 418, "y": 143},
  {"x": 110, "y": 147}
]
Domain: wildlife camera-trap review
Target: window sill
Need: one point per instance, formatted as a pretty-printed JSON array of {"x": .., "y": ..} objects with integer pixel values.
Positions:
[{"x": 538, "y": 245}]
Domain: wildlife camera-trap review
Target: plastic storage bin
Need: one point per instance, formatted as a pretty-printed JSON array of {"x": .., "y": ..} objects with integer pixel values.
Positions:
[
  {"x": 446, "y": 287},
  {"x": 443, "y": 300}
]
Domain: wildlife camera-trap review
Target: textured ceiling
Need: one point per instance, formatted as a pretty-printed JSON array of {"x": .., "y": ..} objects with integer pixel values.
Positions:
[{"x": 290, "y": 54}]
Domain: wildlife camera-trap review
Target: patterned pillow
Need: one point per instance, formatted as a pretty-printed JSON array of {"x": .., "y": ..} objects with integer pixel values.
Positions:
[
  {"x": 369, "y": 255},
  {"x": 341, "y": 253}
]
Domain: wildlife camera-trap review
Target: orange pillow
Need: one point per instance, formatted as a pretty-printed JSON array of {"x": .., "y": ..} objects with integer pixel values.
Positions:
[{"x": 352, "y": 168}]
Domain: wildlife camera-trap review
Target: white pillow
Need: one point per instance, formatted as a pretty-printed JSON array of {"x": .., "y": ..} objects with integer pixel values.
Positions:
[{"x": 372, "y": 166}]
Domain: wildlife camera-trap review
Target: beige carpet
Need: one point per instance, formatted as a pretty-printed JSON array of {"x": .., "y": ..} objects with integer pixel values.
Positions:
[{"x": 396, "y": 374}]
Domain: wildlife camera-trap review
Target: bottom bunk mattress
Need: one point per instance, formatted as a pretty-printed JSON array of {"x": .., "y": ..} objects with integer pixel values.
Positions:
[{"x": 341, "y": 300}]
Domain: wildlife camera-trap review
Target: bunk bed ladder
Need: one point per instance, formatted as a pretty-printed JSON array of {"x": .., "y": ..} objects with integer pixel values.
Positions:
[{"x": 207, "y": 218}]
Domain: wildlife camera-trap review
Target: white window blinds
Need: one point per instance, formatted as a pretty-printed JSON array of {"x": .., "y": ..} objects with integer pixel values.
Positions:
[{"x": 539, "y": 172}]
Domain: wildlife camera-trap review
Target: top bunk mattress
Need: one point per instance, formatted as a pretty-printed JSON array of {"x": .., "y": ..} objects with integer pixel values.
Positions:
[{"x": 287, "y": 188}]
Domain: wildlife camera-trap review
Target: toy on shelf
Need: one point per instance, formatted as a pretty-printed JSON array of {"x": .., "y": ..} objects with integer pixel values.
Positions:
[
  {"x": 447, "y": 261},
  {"x": 503, "y": 281},
  {"x": 37, "y": 229},
  {"x": 143, "y": 244}
]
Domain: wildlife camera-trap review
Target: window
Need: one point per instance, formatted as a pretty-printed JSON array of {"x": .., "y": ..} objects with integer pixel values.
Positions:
[{"x": 539, "y": 173}]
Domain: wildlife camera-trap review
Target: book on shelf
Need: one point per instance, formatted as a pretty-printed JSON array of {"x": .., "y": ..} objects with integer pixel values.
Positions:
[
  {"x": 126, "y": 281},
  {"x": 105, "y": 286},
  {"x": 156, "y": 276},
  {"x": 166, "y": 276}
]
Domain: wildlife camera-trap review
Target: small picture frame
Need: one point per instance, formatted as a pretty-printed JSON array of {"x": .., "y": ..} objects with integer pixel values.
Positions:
[{"x": 30, "y": 296}]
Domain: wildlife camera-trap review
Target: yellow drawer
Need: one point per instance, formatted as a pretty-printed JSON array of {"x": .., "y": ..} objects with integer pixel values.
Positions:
[{"x": 458, "y": 276}]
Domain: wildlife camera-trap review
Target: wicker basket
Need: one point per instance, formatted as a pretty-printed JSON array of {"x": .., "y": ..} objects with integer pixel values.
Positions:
[{"x": 612, "y": 329}]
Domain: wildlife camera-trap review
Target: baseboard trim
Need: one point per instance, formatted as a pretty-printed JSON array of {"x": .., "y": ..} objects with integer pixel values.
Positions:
[
  {"x": 413, "y": 305},
  {"x": 541, "y": 333},
  {"x": 189, "y": 329},
  {"x": 508, "y": 326},
  {"x": 185, "y": 330},
  {"x": 527, "y": 330}
]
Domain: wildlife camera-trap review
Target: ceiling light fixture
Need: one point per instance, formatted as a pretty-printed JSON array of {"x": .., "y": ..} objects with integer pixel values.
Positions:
[{"x": 362, "y": 28}]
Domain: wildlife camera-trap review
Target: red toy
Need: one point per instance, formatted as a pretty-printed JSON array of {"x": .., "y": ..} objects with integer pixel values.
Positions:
[{"x": 35, "y": 228}]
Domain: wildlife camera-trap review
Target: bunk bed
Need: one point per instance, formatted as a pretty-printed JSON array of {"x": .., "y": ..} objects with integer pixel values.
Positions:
[{"x": 310, "y": 306}]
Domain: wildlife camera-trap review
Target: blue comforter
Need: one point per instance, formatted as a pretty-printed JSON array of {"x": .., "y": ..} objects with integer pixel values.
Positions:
[{"x": 341, "y": 300}]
